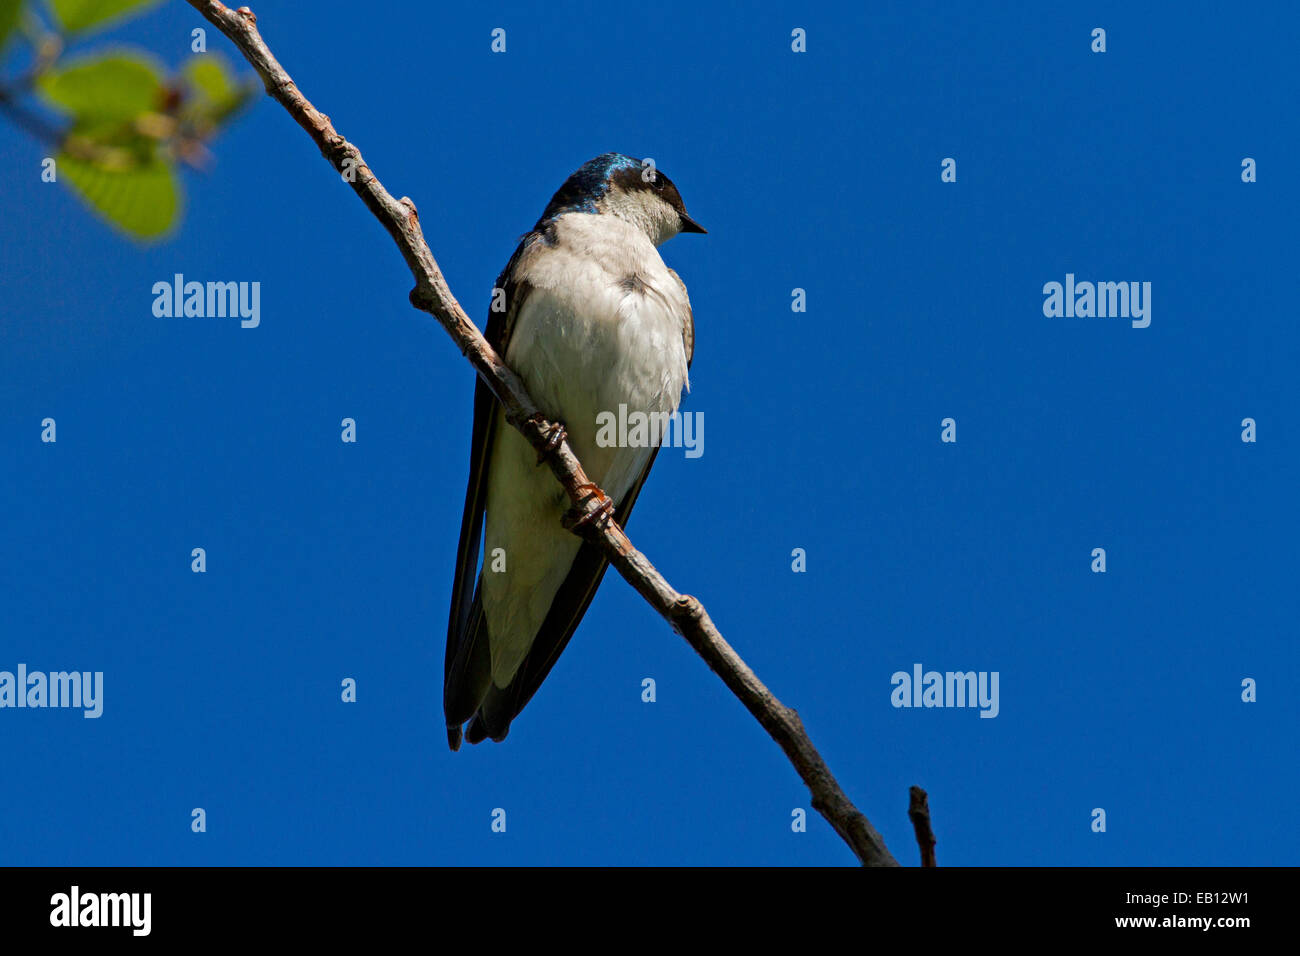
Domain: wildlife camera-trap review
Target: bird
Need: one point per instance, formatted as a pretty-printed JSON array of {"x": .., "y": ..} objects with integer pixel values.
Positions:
[{"x": 589, "y": 317}]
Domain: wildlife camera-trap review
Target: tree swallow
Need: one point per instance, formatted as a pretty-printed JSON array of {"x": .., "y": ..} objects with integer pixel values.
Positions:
[{"x": 591, "y": 319}]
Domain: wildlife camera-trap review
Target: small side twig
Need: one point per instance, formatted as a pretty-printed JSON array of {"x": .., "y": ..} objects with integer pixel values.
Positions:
[
  {"x": 35, "y": 125},
  {"x": 47, "y": 47},
  {"x": 919, "y": 811}
]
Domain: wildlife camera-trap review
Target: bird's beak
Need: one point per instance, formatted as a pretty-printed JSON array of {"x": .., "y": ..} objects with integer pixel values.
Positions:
[{"x": 690, "y": 225}]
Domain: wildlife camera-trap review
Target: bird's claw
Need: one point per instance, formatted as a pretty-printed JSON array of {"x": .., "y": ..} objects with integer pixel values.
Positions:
[
  {"x": 555, "y": 436},
  {"x": 575, "y": 518}
]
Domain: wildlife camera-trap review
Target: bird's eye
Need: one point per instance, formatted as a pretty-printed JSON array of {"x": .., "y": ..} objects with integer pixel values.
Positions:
[{"x": 658, "y": 182}]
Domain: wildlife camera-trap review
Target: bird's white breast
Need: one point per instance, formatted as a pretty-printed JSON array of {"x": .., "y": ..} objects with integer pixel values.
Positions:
[{"x": 601, "y": 327}]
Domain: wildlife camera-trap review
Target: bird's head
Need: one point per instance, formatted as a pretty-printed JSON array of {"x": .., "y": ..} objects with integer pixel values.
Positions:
[{"x": 613, "y": 184}]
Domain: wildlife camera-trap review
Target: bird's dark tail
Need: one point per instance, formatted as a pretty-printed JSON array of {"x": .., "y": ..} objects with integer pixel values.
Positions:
[{"x": 469, "y": 675}]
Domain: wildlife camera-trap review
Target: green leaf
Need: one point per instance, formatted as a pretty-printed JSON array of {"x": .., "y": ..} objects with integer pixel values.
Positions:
[
  {"x": 208, "y": 74},
  {"x": 217, "y": 92},
  {"x": 142, "y": 200},
  {"x": 114, "y": 88},
  {"x": 9, "y": 13},
  {"x": 78, "y": 15},
  {"x": 212, "y": 95}
]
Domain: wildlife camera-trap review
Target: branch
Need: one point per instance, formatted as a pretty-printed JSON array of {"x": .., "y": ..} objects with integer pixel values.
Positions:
[
  {"x": 46, "y": 48},
  {"x": 432, "y": 295},
  {"x": 919, "y": 811},
  {"x": 33, "y": 124}
]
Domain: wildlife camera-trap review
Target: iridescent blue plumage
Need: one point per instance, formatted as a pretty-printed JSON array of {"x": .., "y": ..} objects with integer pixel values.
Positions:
[{"x": 588, "y": 185}]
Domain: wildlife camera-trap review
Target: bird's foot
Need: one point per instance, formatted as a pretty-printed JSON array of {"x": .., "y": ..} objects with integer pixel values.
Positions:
[
  {"x": 555, "y": 436},
  {"x": 575, "y": 519}
]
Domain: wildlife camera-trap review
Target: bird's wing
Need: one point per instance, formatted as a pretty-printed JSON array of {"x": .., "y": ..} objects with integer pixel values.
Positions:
[
  {"x": 688, "y": 325},
  {"x": 502, "y": 704},
  {"x": 467, "y": 666}
]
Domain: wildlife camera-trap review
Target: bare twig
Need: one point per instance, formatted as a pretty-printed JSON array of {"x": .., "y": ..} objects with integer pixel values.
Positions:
[
  {"x": 62, "y": 141},
  {"x": 31, "y": 122},
  {"x": 431, "y": 294},
  {"x": 47, "y": 47},
  {"x": 919, "y": 810}
]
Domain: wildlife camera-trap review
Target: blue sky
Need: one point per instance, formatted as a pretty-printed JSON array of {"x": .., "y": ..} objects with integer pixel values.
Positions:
[{"x": 818, "y": 171}]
